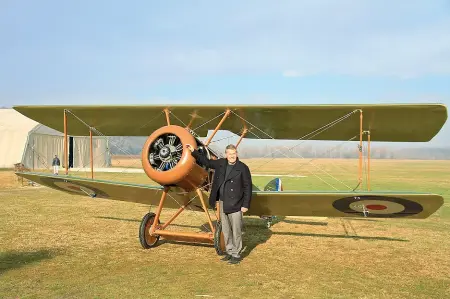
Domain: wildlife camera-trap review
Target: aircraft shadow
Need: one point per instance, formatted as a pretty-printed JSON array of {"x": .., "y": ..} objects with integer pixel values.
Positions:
[
  {"x": 362, "y": 219},
  {"x": 254, "y": 233},
  {"x": 119, "y": 219},
  {"x": 339, "y": 236},
  {"x": 291, "y": 221},
  {"x": 139, "y": 221},
  {"x": 16, "y": 259}
]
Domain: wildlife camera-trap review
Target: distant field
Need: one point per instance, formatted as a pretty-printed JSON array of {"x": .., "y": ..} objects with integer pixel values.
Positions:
[
  {"x": 55, "y": 245},
  {"x": 126, "y": 161}
]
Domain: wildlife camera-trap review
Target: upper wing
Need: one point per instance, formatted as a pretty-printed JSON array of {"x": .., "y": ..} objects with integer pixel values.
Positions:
[
  {"x": 345, "y": 204},
  {"x": 322, "y": 204},
  {"x": 396, "y": 122}
]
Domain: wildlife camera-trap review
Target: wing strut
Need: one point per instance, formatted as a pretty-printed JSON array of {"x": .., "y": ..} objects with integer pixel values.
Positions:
[
  {"x": 360, "y": 147},
  {"x": 66, "y": 154},
  {"x": 227, "y": 113},
  {"x": 368, "y": 160}
]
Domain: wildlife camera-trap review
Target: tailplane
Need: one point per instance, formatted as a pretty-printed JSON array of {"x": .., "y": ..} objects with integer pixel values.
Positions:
[{"x": 274, "y": 185}]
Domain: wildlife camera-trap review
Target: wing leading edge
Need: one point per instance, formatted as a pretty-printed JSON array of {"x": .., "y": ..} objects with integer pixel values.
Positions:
[
  {"x": 386, "y": 122},
  {"x": 285, "y": 203}
]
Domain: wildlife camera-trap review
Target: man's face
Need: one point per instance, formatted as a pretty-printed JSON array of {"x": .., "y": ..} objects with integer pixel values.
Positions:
[{"x": 231, "y": 155}]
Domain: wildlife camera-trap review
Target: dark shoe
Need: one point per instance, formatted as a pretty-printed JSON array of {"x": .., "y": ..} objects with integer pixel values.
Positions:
[
  {"x": 226, "y": 257},
  {"x": 234, "y": 260}
]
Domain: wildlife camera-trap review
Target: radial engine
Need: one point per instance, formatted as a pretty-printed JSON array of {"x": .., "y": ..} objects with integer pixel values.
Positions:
[{"x": 167, "y": 161}]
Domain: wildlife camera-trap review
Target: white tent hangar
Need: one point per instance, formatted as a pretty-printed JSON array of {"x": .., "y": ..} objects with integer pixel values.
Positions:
[{"x": 23, "y": 140}]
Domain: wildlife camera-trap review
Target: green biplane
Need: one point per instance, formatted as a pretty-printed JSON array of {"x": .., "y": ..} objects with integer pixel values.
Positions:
[{"x": 166, "y": 161}]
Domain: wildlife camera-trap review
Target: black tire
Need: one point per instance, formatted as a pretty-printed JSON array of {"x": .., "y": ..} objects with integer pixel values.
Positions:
[
  {"x": 218, "y": 236},
  {"x": 146, "y": 240}
]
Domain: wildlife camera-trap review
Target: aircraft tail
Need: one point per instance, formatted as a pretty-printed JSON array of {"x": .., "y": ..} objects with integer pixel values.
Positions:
[{"x": 274, "y": 185}]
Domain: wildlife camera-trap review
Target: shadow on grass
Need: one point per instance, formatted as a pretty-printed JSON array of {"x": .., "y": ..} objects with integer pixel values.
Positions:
[
  {"x": 290, "y": 221},
  {"x": 139, "y": 221},
  {"x": 254, "y": 234},
  {"x": 16, "y": 259},
  {"x": 362, "y": 219},
  {"x": 339, "y": 236},
  {"x": 119, "y": 219}
]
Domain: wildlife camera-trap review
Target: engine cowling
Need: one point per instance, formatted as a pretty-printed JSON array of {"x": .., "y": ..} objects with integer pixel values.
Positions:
[{"x": 167, "y": 161}]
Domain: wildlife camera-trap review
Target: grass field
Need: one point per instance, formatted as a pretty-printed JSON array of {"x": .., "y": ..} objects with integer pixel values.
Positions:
[{"x": 54, "y": 245}]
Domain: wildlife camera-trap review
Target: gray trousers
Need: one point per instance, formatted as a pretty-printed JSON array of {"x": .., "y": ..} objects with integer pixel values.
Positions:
[{"x": 232, "y": 231}]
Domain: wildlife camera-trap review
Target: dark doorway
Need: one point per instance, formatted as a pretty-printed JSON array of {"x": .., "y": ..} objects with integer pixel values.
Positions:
[{"x": 70, "y": 152}]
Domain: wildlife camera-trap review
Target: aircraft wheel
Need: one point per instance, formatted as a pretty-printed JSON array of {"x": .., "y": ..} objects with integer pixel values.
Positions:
[
  {"x": 268, "y": 224},
  {"x": 146, "y": 240},
  {"x": 219, "y": 241}
]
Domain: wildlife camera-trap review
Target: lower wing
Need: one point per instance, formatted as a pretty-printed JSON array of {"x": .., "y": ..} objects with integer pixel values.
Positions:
[
  {"x": 138, "y": 193},
  {"x": 276, "y": 203},
  {"x": 345, "y": 204}
]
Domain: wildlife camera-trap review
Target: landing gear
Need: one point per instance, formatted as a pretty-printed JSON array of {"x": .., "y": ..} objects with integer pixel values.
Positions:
[{"x": 147, "y": 241}]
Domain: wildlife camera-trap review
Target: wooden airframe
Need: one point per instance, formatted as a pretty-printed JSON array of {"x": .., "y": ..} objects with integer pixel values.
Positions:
[{"x": 393, "y": 123}]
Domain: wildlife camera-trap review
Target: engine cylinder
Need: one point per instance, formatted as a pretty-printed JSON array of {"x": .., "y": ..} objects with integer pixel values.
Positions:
[{"x": 167, "y": 161}]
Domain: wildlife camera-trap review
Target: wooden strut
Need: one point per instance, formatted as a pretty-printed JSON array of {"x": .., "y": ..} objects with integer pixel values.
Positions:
[
  {"x": 91, "y": 153},
  {"x": 193, "y": 117},
  {"x": 166, "y": 111},
  {"x": 202, "y": 200},
  {"x": 242, "y": 136},
  {"x": 181, "y": 209},
  {"x": 218, "y": 211},
  {"x": 227, "y": 113},
  {"x": 368, "y": 160},
  {"x": 158, "y": 211},
  {"x": 360, "y": 147},
  {"x": 65, "y": 143},
  {"x": 180, "y": 236}
]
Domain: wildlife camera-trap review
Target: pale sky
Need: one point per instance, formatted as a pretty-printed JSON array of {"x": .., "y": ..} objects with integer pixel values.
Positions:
[{"x": 211, "y": 52}]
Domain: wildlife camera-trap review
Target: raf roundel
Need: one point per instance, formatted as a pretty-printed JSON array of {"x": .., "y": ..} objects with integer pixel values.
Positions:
[{"x": 377, "y": 206}]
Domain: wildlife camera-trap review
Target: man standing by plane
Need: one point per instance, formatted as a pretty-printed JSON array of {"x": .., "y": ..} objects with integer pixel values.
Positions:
[
  {"x": 232, "y": 187},
  {"x": 56, "y": 163}
]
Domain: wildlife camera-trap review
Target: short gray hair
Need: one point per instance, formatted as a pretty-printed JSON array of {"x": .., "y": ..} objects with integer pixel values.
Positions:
[{"x": 231, "y": 146}]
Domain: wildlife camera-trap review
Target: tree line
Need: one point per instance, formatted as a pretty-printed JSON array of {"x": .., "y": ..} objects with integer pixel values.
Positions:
[{"x": 273, "y": 149}]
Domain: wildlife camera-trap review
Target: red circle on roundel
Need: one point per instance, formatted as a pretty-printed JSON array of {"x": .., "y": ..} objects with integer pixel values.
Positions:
[{"x": 376, "y": 207}]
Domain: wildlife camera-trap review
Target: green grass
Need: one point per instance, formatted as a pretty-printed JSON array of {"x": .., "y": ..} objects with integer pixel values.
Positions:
[{"x": 54, "y": 245}]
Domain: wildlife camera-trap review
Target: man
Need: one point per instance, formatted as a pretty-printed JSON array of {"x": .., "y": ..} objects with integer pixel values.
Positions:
[
  {"x": 56, "y": 163},
  {"x": 232, "y": 187}
]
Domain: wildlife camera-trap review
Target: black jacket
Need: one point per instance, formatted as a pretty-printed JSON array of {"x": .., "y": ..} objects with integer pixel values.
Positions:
[
  {"x": 56, "y": 162},
  {"x": 237, "y": 190}
]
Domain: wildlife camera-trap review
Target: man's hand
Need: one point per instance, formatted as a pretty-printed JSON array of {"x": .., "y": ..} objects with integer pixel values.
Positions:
[
  {"x": 244, "y": 210},
  {"x": 190, "y": 147}
]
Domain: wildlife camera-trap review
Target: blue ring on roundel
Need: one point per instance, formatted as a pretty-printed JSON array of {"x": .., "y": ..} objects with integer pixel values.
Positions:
[{"x": 410, "y": 207}]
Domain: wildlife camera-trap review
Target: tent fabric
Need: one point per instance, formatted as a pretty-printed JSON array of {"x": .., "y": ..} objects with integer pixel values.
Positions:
[
  {"x": 14, "y": 129},
  {"x": 35, "y": 145}
]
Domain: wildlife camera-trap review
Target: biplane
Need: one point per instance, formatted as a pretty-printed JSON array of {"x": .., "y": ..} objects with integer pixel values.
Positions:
[{"x": 183, "y": 182}]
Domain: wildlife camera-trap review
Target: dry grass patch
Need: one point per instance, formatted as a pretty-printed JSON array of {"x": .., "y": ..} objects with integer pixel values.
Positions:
[{"x": 55, "y": 245}]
